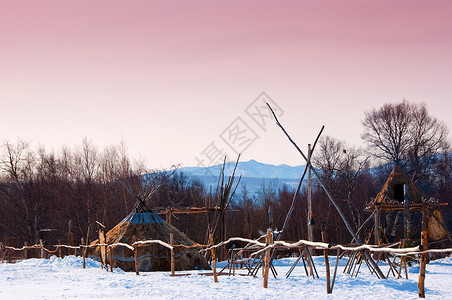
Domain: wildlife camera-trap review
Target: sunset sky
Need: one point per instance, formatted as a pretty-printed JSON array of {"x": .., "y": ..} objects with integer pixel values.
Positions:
[{"x": 178, "y": 79}]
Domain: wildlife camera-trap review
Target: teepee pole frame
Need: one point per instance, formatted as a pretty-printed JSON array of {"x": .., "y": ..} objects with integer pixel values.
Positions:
[{"x": 347, "y": 224}]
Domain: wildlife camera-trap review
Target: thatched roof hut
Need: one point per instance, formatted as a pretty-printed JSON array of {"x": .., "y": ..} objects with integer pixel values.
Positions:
[
  {"x": 393, "y": 189},
  {"x": 147, "y": 225}
]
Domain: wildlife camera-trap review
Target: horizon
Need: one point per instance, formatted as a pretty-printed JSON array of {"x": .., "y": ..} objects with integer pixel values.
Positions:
[{"x": 183, "y": 82}]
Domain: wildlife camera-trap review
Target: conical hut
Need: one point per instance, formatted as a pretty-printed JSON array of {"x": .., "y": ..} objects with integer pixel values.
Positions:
[
  {"x": 141, "y": 225},
  {"x": 393, "y": 189},
  {"x": 391, "y": 198}
]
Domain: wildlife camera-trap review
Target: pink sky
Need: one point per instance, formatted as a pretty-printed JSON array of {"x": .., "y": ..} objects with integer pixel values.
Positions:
[{"x": 169, "y": 77}]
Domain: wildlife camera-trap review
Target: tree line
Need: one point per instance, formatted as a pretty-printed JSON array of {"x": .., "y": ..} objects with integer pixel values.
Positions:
[{"x": 45, "y": 195}]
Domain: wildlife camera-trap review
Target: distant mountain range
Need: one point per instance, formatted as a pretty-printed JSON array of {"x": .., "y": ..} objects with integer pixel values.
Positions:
[{"x": 254, "y": 175}]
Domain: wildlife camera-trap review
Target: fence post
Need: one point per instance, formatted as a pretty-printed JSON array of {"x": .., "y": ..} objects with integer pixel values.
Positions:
[
  {"x": 423, "y": 262},
  {"x": 25, "y": 250},
  {"x": 41, "y": 245},
  {"x": 215, "y": 278},
  {"x": 423, "y": 258},
  {"x": 173, "y": 261},
  {"x": 135, "y": 254},
  {"x": 111, "y": 258},
  {"x": 84, "y": 250},
  {"x": 60, "y": 253},
  {"x": 268, "y": 241},
  {"x": 327, "y": 265}
]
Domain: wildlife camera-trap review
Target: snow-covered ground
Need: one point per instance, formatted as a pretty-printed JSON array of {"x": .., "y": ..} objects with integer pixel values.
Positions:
[{"x": 57, "y": 278}]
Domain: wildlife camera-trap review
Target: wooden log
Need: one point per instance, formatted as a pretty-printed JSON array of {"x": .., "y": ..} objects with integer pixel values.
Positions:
[
  {"x": 173, "y": 260},
  {"x": 327, "y": 265},
  {"x": 135, "y": 255},
  {"x": 214, "y": 262},
  {"x": 423, "y": 262},
  {"x": 268, "y": 240}
]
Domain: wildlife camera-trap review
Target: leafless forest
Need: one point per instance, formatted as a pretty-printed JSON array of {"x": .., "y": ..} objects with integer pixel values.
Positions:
[{"x": 44, "y": 194}]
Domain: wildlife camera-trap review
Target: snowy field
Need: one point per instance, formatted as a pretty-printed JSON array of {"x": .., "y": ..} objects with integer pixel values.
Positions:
[{"x": 57, "y": 278}]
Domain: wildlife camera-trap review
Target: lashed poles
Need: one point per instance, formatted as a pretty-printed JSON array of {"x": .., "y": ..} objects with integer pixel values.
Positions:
[
  {"x": 298, "y": 189},
  {"x": 350, "y": 229},
  {"x": 292, "y": 206}
]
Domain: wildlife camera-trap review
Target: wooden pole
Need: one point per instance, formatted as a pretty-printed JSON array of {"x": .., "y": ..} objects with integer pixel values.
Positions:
[
  {"x": 25, "y": 250},
  {"x": 214, "y": 262},
  {"x": 377, "y": 228},
  {"x": 423, "y": 262},
  {"x": 173, "y": 261},
  {"x": 327, "y": 265},
  {"x": 111, "y": 258},
  {"x": 60, "y": 254},
  {"x": 268, "y": 241},
  {"x": 423, "y": 258},
  {"x": 377, "y": 255},
  {"x": 42, "y": 248},
  {"x": 84, "y": 249},
  {"x": 103, "y": 249},
  {"x": 406, "y": 208},
  {"x": 135, "y": 254},
  {"x": 310, "y": 220}
]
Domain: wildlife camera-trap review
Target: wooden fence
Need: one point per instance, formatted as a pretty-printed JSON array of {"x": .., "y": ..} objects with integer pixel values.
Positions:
[{"x": 260, "y": 250}]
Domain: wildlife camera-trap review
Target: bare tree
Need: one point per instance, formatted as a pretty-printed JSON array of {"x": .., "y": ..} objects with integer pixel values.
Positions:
[
  {"x": 328, "y": 158},
  {"x": 14, "y": 164},
  {"x": 406, "y": 135},
  {"x": 341, "y": 166}
]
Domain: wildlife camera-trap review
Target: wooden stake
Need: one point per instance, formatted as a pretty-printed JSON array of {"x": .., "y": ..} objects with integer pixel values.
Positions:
[
  {"x": 309, "y": 196},
  {"x": 423, "y": 261},
  {"x": 173, "y": 261},
  {"x": 111, "y": 258},
  {"x": 84, "y": 249},
  {"x": 42, "y": 248},
  {"x": 327, "y": 265},
  {"x": 103, "y": 249},
  {"x": 135, "y": 254},
  {"x": 268, "y": 240},
  {"x": 59, "y": 249},
  {"x": 25, "y": 250},
  {"x": 215, "y": 278}
]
